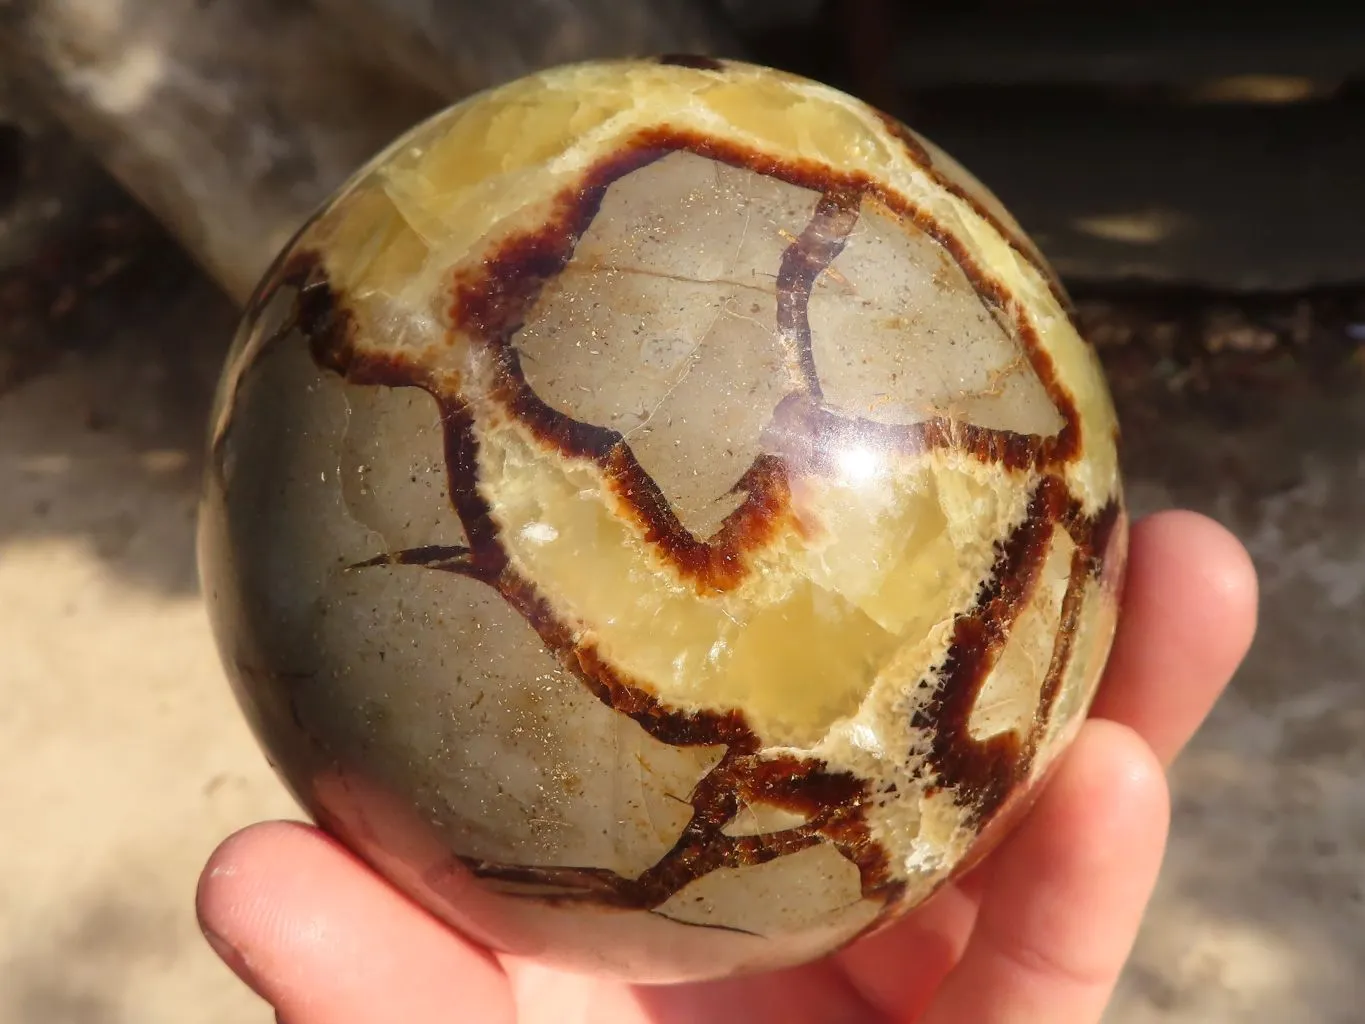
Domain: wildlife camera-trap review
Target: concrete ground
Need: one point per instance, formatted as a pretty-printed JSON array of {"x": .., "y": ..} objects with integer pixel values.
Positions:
[
  {"x": 124, "y": 756},
  {"x": 126, "y": 759},
  {"x": 1260, "y": 915}
]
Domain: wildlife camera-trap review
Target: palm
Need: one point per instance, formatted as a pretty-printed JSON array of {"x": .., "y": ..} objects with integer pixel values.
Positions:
[
  {"x": 885, "y": 978},
  {"x": 1040, "y": 932}
]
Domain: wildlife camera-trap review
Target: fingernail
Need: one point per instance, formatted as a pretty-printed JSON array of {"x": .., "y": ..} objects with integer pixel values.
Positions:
[{"x": 230, "y": 955}]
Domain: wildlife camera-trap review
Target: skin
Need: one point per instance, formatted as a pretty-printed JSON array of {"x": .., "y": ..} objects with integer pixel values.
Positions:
[{"x": 1040, "y": 931}]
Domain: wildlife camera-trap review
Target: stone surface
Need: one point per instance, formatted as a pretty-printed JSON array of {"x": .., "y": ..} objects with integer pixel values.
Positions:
[{"x": 639, "y": 443}]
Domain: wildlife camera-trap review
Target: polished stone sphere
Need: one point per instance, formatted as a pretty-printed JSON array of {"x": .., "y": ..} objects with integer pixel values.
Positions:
[{"x": 663, "y": 517}]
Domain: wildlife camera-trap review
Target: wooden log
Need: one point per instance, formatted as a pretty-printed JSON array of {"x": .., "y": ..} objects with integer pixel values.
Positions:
[
  {"x": 230, "y": 121},
  {"x": 1107, "y": 130}
]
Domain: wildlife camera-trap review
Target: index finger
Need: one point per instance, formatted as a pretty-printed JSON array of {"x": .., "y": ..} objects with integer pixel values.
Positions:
[{"x": 1188, "y": 617}]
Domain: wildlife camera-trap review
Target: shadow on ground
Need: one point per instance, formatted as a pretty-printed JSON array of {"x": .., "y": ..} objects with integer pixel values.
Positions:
[
  {"x": 66, "y": 975},
  {"x": 110, "y": 344},
  {"x": 1261, "y": 912}
]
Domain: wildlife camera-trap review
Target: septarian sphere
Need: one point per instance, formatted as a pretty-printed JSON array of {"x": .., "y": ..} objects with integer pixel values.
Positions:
[{"x": 663, "y": 517}]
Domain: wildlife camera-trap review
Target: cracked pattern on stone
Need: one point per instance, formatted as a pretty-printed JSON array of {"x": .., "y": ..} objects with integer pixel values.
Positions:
[{"x": 696, "y": 534}]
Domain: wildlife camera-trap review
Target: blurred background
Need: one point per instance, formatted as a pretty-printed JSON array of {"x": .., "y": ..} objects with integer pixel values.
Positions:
[{"x": 1194, "y": 170}]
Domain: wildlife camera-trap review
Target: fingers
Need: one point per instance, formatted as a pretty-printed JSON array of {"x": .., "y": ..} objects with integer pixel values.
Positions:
[
  {"x": 1066, "y": 893},
  {"x": 897, "y": 970},
  {"x": 1189, "y": 612},
  {"x": 325, "y": 941}
]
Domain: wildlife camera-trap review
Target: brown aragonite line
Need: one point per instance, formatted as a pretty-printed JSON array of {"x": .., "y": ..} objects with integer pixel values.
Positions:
[
  {"x": 629, "y": 696},
  {"x": 1092, "y": 537},
  {"x": 297, "y": 272},
  {"x": 486, "y": 560},
  {"x": 1016, "y": 241},
  {"x": 702, "y": 924},
  {"x": 899, "y": 130},
  {"x": 982, "y": 773},
  {"x": 1109, "y": 557},
  {"x": 1096, "y": 535},
  {"x": 597, "y": 885},
  {"x": 701, "y": 848},
  {"x": 1063, "y": 647},
  {"x": 491, "y": 302},
  {"x": 1011, "y": 314},
  {"x": 462, "y": 474},
  {"x": 809, "y": 256},
  {"x": 809, "y": 437},
  {"x": 716, "y": 565},
  {"x": 697, "y": 854},
  {"x": 833, "y": 801},
  {"x": 446, "y": 557}
]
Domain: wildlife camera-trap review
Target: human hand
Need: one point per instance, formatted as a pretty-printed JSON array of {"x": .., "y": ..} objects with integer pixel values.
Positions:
[{"x": 1039, "y": 932}]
